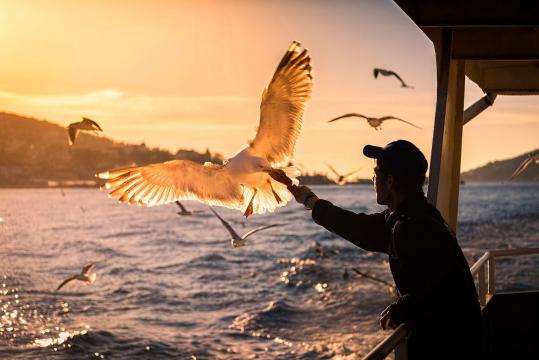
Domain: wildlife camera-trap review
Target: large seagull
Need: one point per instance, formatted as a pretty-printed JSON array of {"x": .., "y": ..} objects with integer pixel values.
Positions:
[{"x": 243, "y": 182}]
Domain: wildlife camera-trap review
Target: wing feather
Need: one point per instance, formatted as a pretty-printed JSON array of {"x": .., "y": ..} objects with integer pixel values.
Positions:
[
  {"x": 281, "y": 110},
  {"x": 167, "y": 182}
]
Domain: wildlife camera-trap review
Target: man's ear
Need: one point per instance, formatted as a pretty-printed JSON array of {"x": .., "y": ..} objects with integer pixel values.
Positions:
[{"x": 390, "y": 182}]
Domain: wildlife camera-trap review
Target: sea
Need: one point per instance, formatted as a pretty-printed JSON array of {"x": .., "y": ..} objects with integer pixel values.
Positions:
[{"x": 173, "y": 287}]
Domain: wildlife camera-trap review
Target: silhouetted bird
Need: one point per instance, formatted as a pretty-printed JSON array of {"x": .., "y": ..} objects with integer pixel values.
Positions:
[
  {"x": 237, "y": 240},
  {"x": 243, "y": 182},
  {"x": 183, "y": 211},
  {"x": 530, "y": 159},
  {"x": 390, "y": 73},
  {"x": 376, "y": 123},
  {"x": 342, "y": 179},
  {"x": 84, "y": 125},
  {"x": 84, "y": 276}
]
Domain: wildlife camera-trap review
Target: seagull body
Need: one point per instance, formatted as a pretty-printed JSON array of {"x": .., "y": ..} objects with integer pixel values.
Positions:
[
  {"x": 341, "y": 179},
  {"x": 376, "y": 123},
  {"x": 384, "y": 72},
  {"x": 530, "y": 159},
  {"x": 84, "y": 125},
  {"x": 244, "y": 182},
  {"x": 235, "y": 239},
  {"x": 84, "y": 276}
]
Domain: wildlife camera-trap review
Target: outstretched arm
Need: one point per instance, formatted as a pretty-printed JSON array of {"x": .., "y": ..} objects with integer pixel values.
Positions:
[{"x": 369, "y": 232}]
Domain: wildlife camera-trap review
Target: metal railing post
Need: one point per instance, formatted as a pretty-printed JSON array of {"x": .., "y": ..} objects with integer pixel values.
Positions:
[
  {"x": 491, "y": 276},
  {"x": 481, "y": 286}
]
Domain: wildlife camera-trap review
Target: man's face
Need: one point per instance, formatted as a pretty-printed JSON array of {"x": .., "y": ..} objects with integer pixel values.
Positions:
[{"x": 381, "y": 186}]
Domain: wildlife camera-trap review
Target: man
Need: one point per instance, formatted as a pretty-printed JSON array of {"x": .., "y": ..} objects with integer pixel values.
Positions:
[{"x": 437, "y": 296}]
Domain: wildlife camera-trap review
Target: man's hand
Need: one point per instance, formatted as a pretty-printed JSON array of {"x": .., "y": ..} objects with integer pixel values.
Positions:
[
  {"x": 302, "y": 193},
  {"x": 385, "y": 319}
]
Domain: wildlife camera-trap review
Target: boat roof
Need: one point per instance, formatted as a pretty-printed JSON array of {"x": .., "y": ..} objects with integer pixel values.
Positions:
[{"x": 498, "y": 39}]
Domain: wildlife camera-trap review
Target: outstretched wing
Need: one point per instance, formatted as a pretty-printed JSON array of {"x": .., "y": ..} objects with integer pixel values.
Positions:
[
  {"x": 166, "y": 182},
  {"x": 182, "y": 208},
  {"x": 383, "y": 118},
  {"x": 521, "y": 168},
  {"x": 281, "y": 110},
  {"x": 348, "y": 115},
  {"x": 232, "y": 232},
  {"x": 89, "y": 124},
  {"x": 351, "y": 173},
  {"x": 249, "y": 233},
  {"x": 333, "y": 170},
  {"x": 87, "y": 268},
  {"x": 72, "y": 132},
  {"x": 65, "y": 282}
]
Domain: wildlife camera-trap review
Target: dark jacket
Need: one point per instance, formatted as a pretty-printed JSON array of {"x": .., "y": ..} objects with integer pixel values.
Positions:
[{"x": 437, "y": 295}]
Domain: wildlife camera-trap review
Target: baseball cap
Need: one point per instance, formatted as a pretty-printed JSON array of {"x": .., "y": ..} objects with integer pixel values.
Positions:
[{"x": 399, "y": 157}]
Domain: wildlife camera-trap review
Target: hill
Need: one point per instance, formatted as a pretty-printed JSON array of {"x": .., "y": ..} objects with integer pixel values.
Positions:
[
  {"x": 501, "y": 170},
  {"x": 36, "y": 153}
]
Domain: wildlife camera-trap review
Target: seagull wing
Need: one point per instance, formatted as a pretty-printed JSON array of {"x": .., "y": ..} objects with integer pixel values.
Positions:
[
  {"x": 351, "y": 173},
  {"x": 232, "y": 232},
  {"x": 333, "y": 170},
  {"x": 249, "y": 233},
  {"x": 349, "y": 115},
  {"x": 182, "y": 208},
  {"x": 398, "y": 77},
  {"x": 166, "y": 182},
  {"x": 72, "y": 132},
  {"x": 65, "y": 282},
  {"x": 89, "y": 124},
  {"x": 87, "y": 268},
  {"x": 383, "y": 118},
  {"x": 281, "y": 110},
  {"x": 521, "y": 168}
]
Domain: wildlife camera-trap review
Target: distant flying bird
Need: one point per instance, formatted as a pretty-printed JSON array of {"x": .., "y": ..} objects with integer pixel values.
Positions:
[
  {"x": 376, "y": 123},
  {"x": 237, "y": 240},
  {"x": 372, "y": 277},
  {"x": 244, "y": 182},
  {"x": 530, "y": 159},
  {"x": 84, "y": 276},
  {"x": 341, "y": 179},
  {"x": 84, "y": 125},
  {"x": 390, "y": 73},
  {"x": 183, "y": 211}
]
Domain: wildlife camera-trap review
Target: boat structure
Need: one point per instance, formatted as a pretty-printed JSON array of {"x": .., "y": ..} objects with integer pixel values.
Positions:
[{"x": 496, "y": 45}]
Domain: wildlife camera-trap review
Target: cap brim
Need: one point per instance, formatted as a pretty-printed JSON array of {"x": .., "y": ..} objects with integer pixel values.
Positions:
[{"x": 373, "y": 152}]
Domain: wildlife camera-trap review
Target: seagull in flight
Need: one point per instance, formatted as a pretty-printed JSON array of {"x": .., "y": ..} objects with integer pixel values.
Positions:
[
  {"x": 376, "y": 123},
  {"x": 378, "y": 71},
  {"x": 183, "y": 211},
  {"x": 84, "y": 125},
  {"x": 341, "y": 179},
  {"x": 243, "y": 182},
  {"x": 235, "y": 239},
  {"x": 530, "y": 159},
  {"x": 84, "y": 276}
]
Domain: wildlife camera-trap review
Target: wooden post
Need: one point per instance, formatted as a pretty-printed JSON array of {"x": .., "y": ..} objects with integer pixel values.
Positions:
[{"x": 444, "y": 174}]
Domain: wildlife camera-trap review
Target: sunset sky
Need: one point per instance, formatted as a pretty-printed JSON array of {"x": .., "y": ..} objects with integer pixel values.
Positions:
[{"x": 182, "y": 74}]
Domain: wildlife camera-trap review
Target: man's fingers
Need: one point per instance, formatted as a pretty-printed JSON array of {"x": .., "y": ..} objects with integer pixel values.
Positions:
[{"x": 280, "y": 176}]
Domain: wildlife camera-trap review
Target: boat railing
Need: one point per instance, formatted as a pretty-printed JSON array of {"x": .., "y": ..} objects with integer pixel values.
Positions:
[{"x": 485, "y": 271}]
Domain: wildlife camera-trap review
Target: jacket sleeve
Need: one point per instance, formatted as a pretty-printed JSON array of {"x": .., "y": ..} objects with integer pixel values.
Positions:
[{"x": 369, "y": 232}]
